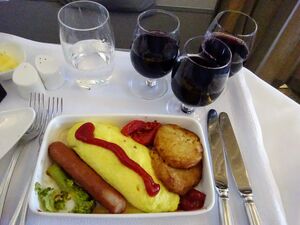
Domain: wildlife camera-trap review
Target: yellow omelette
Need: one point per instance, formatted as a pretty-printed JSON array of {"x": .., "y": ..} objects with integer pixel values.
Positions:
[{"x": 123, "y": 179}]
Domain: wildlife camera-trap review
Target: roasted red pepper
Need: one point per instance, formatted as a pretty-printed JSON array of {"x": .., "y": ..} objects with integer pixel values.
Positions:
[
  {"x": 140, "y": 131},
  {"x": 192, "y": 200},
  {"x": 132, "y": 127}
]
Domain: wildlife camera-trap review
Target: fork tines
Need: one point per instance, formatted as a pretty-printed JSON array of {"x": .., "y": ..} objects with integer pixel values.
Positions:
[{"x": 46, "y": 108}]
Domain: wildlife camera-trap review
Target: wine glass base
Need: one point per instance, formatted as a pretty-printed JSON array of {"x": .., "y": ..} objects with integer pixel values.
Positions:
[
  {"x": 148, "y": 89},
  {"x": 176, "y": 107}
]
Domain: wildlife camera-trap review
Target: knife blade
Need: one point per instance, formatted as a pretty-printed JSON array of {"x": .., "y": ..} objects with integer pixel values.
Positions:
[
  {"x": 238, "y": 169},
  {"x": 219, "y": 166}
]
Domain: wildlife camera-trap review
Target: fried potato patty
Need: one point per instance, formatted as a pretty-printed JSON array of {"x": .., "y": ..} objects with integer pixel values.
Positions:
[
  {"x": 179, "y": 181},
  {"x": 178, "y": 147}
]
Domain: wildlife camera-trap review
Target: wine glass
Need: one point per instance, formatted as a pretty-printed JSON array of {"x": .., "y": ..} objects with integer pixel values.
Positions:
[
  {"x": 238, "y": 31},
  {"x": 87, "y": 42},
  {"x": 200, "y": 74},
  {"x": 153, "y": 52}
]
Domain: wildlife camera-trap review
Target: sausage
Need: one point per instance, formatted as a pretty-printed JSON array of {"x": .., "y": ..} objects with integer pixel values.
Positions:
[{"x": 87, "y": 178}]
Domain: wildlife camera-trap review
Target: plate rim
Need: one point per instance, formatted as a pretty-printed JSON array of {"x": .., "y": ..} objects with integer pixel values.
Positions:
[{"x": 127, "y": 215}]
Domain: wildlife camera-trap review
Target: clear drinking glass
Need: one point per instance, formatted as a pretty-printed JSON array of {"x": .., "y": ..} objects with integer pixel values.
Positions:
[
  {"x": 238, "y": 31},
  {"x": 200, "y": 74},
  {"x": 153, "y": 52},
  {"x": 87, "y": 41}
]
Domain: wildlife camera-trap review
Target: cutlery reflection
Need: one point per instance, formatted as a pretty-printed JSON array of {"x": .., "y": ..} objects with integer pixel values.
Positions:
[
  {"x": 219, "y": 166},
  {"x": 238, "y": 168}
]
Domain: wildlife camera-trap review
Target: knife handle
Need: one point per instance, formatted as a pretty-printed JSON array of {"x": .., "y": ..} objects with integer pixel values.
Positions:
[
  {"x": 224, "y": 209},
  {"x": 252, "y": 212}
]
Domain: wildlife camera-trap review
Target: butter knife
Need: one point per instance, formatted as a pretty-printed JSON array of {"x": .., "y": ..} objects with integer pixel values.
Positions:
[
  {"x": 238, "y": 168},
  {"x": 219, "y": 166}
]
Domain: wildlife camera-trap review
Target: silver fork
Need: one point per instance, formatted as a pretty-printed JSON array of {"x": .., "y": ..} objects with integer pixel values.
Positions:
[
  {"x": 37, "y": 103},
  {"x": 54, "y": 108}
]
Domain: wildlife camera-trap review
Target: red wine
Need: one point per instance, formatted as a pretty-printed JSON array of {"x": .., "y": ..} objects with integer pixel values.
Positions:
[
  {"x": 198, "y": 80},
  {"x": 152, "y": 55},
  {"x": 239, "y": 50}
]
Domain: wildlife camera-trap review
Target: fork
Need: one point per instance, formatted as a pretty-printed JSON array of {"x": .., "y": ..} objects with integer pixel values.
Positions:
[{"x": 54, "y": 108}]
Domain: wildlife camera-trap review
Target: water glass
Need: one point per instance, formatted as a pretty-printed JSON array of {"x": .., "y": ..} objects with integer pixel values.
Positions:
[{"x": 87, "y": 41}]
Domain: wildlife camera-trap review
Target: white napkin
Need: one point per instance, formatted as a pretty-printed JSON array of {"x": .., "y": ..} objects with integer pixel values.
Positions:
[
  {"x": 237, "y": 102},
  {"x": 116, "y": 97},
  {"x": 279, "y": 119}
]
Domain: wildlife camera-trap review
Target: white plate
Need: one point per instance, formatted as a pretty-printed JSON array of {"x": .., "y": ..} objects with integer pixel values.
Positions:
[
  {"x": 65, "y": 121},
  {"x": 13, "y": 124}
]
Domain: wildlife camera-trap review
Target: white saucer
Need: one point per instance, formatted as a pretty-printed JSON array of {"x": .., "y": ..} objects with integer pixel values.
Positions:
[{"x": 13, "y": 124}]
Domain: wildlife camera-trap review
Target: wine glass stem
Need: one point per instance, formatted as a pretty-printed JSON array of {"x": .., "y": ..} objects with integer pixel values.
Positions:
[
  {"x": 187, "y": 109},
  {"x": 151, "y": 83}
]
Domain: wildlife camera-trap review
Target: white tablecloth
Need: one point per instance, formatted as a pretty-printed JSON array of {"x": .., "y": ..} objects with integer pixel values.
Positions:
[{"x": 279, "y": 118}]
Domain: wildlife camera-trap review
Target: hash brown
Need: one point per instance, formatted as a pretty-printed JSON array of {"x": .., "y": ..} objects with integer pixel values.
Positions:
[
  {"x": 178, "y": 147},
  {"x": 179, "y": 181}
]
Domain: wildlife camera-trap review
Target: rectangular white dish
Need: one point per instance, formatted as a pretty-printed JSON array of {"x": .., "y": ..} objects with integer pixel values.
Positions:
[{"x": 58, "y": 125}]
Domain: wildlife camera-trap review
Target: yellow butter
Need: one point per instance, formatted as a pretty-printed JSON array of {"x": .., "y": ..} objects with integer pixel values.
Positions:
[
  {"x": 7, "y": 62},
  {"x": 123, "y": 179}
]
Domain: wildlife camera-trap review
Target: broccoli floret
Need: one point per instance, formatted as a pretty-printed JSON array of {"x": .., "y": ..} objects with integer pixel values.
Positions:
[
  {"x": 51, "y": 200},
  {"x": 83, "y": 202}
]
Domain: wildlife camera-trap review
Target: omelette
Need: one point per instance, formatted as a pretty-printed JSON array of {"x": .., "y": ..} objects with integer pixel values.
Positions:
[{"x": 122, "y": 178}]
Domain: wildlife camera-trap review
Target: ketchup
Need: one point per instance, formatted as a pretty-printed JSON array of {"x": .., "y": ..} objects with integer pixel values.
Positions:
[{"x": 85, "y": 133}]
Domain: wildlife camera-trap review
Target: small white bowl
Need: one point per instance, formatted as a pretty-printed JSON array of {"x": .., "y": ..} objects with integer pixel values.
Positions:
[
  {"x": 15, "y": 51},
  {"x": 54, "y": 132},
  {"x": 14, "y": 123}
]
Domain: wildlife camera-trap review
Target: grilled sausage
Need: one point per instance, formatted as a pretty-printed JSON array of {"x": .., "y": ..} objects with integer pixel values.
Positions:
[{"x": 87, "y": 178}]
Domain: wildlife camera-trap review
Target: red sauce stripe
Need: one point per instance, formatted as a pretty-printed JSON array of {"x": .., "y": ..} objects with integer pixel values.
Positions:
[{"x": 85, "y": 133}]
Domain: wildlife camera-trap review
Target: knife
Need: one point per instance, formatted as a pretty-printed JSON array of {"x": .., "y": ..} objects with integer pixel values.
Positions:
[
  {"x": 238, "y": 168},
  {"x": 219, "y": 166}
]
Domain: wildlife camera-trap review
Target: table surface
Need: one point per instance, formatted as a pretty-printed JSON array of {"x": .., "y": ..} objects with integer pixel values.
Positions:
[{"x": 279, "y": 118}]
